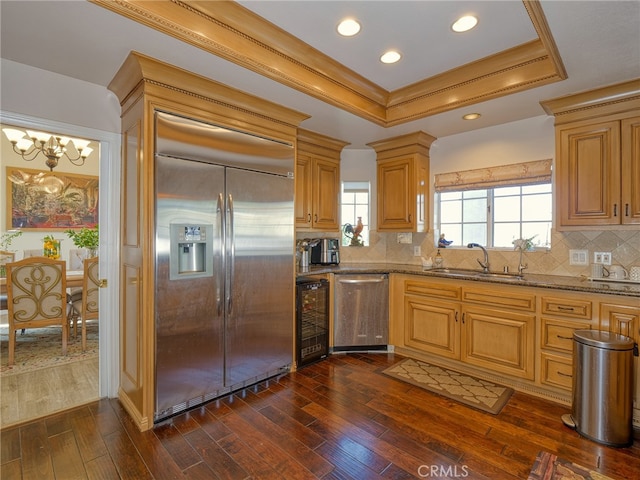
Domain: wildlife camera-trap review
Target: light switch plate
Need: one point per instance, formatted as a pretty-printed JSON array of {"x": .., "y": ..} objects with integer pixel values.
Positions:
[{"x": 578, "y": 257}]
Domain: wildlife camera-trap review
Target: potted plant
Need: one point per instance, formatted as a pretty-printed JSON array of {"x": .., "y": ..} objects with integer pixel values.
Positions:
[
  {"x": 5, "y": 242},
  {"x": 86, "y": 237}
]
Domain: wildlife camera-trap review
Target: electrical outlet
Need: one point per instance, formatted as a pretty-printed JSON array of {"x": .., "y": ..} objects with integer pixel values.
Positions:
[
  {"x": 578, "y": 257},
  {"x": 416, "y": 251},
  {"x": 602, "y": 257}
]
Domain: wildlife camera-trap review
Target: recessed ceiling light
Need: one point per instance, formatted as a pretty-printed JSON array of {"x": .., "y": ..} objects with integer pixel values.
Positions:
[
  {"x": 464, "y": 23},
  {"x": 390, "y": 57},
  {"x": 471, "y": 116},
  {"x": 348, "y": 27}
]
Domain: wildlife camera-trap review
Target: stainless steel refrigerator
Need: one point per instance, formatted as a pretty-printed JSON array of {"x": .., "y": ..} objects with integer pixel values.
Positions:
[{"x": 224, "y": 261}]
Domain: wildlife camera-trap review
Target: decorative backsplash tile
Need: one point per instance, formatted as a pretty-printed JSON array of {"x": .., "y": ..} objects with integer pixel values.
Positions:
[{"x": 624, "y": 246}]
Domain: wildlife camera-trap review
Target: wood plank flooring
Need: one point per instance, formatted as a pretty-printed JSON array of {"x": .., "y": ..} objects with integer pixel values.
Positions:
[
  {"x": 42, "y": 392},
  {"x": 338, "y": 419}
]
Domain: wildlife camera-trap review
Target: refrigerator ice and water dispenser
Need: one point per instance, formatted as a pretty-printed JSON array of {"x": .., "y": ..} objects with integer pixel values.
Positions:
[{"x": 191, "y": 251}]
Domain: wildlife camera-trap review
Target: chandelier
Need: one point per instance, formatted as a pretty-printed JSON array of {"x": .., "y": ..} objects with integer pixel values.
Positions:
[{"x": 32, "y": 143}]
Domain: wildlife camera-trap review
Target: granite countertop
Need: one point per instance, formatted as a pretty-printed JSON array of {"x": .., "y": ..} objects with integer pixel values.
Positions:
[{"x": 578, "y": 284}]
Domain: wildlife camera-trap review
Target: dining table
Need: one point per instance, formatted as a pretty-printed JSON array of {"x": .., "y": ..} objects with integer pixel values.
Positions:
[{"x": 74, "y": 279}]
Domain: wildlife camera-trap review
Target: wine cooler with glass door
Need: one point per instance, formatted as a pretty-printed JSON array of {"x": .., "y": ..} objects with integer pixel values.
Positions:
[{"x": 312, "y": 320}]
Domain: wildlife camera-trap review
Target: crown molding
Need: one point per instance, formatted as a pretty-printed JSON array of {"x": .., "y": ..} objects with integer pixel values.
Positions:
[{"x": 230, "y": 31}]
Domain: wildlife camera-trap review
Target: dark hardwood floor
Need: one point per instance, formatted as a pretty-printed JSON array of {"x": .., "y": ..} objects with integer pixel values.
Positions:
[{"x": 338, "y": 419}]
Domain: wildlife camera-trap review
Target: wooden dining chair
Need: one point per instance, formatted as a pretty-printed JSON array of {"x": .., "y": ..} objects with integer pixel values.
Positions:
[
  {"x": 74, "y": 294},
  {"x": 34, "y": 252},
  {"x": 36, "y": 297},
  {"x": 87, "y": 305}
]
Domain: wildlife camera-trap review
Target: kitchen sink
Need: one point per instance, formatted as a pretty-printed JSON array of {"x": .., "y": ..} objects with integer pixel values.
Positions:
[{"x": 462, "y": 272}]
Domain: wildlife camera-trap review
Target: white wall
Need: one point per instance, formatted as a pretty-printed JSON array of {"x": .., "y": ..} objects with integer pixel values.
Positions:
[
  {"x": 46, "y": 95},
  {"x": 516, "y": 142},
  {"x": 47, "y": 101}
]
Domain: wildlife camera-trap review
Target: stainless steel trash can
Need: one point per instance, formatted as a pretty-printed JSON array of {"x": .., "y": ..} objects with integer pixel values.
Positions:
[{"x": 602, "y": 408}]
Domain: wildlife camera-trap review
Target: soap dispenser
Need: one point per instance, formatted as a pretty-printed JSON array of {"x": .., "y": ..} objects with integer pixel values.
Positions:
[{"x": 438, "y": 262}]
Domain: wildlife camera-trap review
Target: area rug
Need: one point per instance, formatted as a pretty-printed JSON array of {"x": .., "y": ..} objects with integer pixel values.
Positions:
[
  {"x": 549, "y": 467},
  {"x": 41, "y": 347},
  {"x": 481, "y": 394}
]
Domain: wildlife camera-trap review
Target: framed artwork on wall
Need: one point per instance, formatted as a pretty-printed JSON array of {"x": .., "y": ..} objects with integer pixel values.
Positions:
[{"x": 38, "y": 199}]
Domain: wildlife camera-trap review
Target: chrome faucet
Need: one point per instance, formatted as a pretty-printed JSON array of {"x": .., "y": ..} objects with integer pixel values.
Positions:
[{"x": 485, "y": 264}]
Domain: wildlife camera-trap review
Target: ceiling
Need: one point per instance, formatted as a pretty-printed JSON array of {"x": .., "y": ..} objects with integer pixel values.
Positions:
[{"x": 597, "y": 43}]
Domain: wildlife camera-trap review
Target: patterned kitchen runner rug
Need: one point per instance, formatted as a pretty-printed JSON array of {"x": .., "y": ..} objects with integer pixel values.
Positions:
[
  {"x": 42, "y": 347},
  {"x": 481, "y": 394},
  {"x": 549, "y": 467}
]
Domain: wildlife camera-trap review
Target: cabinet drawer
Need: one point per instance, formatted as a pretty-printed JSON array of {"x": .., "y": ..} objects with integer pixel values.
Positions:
[
  {"x": 567, "y": 307},
  {"x": 557, "y": 334},
  {"x": 432, "y": 289},
  {"x": 556, "y": 371},
  {"x": 497, "y": 297}
]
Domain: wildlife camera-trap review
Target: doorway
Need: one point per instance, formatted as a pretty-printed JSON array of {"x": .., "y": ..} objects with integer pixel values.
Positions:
[{"x": 104, "y": 371}]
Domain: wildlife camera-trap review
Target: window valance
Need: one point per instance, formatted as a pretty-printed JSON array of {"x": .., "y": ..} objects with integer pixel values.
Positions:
[{"x": 527, "y": 173}]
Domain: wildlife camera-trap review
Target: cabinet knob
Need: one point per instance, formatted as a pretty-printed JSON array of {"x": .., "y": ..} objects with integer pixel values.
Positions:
[
  {"x": 615, "y": 209},
  {"x": 626, "y": 209}
]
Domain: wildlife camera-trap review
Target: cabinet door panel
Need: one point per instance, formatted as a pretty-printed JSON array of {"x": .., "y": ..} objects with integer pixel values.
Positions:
[
  {"x": 557, "y": 334},
  {"x": 326, "y": 195},
  {"x": 621, "y": 319},
  {"x": 588, "y": 179},
  {"x": 631, "y": 171},
  {"x": 556, "y": 371},
  {"x": 303, "y": 192},
  {"x": 499, "y": 340},
  {"x": 432, "y": 327},
  {"x": 394, "y": 191}
]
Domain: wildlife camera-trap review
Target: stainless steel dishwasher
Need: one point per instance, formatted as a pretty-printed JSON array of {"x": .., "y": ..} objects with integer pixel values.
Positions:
[{"x": 361, "y": 317}]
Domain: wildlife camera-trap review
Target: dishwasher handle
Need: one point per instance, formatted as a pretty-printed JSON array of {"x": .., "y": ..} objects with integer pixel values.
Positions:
[{"x": 360, "y": 280}]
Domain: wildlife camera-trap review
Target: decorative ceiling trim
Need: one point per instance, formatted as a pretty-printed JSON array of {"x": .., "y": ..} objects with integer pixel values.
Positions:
[
  {"x": 618, "y": 98},
  {"x": 230, "y": 31}
]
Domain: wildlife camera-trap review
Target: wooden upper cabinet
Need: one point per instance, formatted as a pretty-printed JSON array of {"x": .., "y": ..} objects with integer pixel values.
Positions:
[
  {"x": 588, "y": 174},
  {"x": 403, "y": 182},
  {"x": 317, "y": 203},
  {"x": 597, "y": 180},
  {"x": 631, "y": 170}
]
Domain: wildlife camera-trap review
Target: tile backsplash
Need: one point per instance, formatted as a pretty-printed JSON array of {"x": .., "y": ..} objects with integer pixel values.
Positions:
[{"x": 624, "y": 246}]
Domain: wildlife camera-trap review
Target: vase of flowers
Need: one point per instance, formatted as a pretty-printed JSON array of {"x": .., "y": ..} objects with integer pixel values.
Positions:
[
  {"x": 51, "y": 247},
  {"x": 86, "y": 237}
]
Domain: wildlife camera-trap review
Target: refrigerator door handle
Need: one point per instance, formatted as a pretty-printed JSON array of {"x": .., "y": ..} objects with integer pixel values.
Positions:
[
  {"x": 219, "y": 271},
  {"x": 232, "y": 253}
]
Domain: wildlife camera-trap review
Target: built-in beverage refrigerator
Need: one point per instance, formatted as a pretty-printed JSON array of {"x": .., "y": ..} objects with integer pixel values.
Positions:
[{"x": 312, "y": 320}]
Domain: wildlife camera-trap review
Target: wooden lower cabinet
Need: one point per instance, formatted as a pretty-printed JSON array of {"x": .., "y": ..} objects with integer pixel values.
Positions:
[
  {"x": 561, "y": 315},
  {"x": 519, "y": 335},
  {"x": 432, "y": 326},
  {"x": 624, "y": 318},
  {"x": 556, "y": 371},
  {"x": 438, "y": 321},
  {"x": 500, "y": 340}
]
